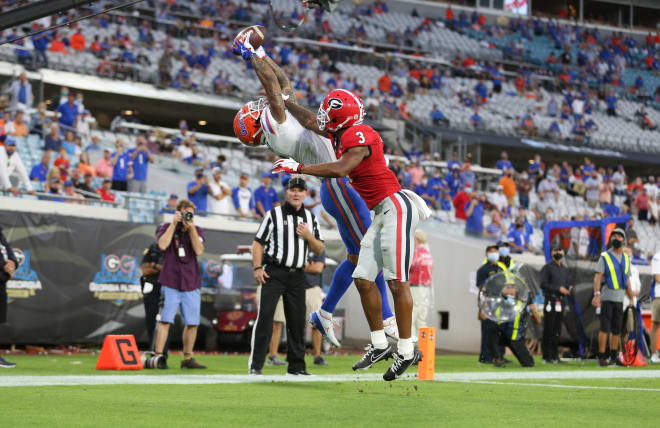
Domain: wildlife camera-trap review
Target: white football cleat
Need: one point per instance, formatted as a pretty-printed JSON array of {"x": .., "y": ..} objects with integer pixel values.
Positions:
[
  {"x": 391, "y": 329},
  {"x": 655, "y": 358},
  {"x": 325, "y": 326}
]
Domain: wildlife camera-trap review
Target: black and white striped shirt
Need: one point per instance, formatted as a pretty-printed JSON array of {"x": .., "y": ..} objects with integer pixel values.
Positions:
[{"x": 277, "y": 233}]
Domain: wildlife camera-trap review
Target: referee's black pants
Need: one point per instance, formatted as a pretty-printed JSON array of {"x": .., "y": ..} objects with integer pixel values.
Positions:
[
  {"x": 552, "y": 319},
  {"x": 291, "y": 286}
]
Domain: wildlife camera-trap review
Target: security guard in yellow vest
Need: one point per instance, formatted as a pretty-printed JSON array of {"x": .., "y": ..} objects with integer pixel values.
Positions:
[
  {"x": 611, "y": 281},
  {"x": 512, "y": 335}
]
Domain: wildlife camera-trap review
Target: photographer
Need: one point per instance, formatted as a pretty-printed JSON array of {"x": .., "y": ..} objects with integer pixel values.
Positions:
[
  {"x": 181, "y": 278},
  {"x": 152, "y": 264},
  {"x": 8, "y": 264}
]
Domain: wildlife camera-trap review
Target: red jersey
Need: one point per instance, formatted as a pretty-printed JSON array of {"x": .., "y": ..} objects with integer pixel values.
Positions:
[{"x": 372, "y": 179}]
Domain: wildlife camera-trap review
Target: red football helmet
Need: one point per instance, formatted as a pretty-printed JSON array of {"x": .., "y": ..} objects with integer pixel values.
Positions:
[
  {"x": 340, "y": 109},
  {"x": 247, "y": 123}
]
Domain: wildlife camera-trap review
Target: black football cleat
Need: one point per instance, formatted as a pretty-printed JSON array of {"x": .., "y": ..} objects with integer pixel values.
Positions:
[
  {"x": 372, "y": 356},
  {"x": 399, "y": 366}
]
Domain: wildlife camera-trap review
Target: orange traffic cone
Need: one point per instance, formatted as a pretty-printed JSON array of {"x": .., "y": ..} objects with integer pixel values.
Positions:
[{"x": 632, "y": 358}]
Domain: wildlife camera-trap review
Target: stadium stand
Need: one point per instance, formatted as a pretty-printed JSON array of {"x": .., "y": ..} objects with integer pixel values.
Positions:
[{"x": 474, "y": 73}]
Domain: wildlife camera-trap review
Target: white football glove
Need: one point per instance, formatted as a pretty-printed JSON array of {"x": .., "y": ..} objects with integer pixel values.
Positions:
[{"x": 287, "y": 165}]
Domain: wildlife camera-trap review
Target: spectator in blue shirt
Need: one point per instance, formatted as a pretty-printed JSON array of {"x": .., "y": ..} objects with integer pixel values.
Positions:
[
  {"x": 453, "y": 161},
  {"x": 437, "y": 183},
  {"x": 516, "y": 237},
  {"x": 40, "y": 171},
  {"x": 243, "y": 198},
  {"x": 481, "y": 91},
  {"x": 170, "y": 208},
  {"x": 474, "y": 212},
  {"x": 53, "y": 140},
  {"x": 120, "y": 164},
  {"x": 265, "y": 197},
  {"x": 40, "y": 42},
  {"x": 453, "y": 181},
  {"x": 198, "y": 190},
  {"x": 438, "y": 117},
  {"x": 140, "y": 157},
  {"x": 475, "y": 119},
  {"x": 504, "y": 163},
  {"x": 68, "y": 111},
  {"x": 69, "y": 143},
  {"x": 611, "y": 104},
  {"x": 467, "y": 176},
  {"x": 425, "y": 190},
  {"x": 554, "y": 131}
]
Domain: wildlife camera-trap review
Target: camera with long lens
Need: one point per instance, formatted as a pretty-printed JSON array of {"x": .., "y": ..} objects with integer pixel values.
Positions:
[
  {"x": 188, "y": 216},
  {"x": 155, "y": 362}
]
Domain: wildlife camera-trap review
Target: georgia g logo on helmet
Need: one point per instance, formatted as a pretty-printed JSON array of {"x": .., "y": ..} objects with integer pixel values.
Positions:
[{"x": 335, "y": 103}]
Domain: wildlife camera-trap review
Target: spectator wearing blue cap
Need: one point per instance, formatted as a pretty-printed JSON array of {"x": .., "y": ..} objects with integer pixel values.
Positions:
[
  {"x": 265, "y": 197},
  {"x": 170, "y": 208},
  {"x": 70, "y": 192},
  {"x": 242, "y": 197},
  {"x": 140, "y": 157},
  {"x": 198, "y": 190},
  {"x": 11, "y": 163}
]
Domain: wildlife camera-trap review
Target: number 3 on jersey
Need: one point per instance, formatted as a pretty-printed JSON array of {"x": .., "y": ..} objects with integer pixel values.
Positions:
[{"x": 361, "y": 136}]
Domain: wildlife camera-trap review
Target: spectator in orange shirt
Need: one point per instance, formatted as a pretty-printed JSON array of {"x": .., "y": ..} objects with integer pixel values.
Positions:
[
  {"x": 57, "y": 45},
  {"x": 96, "y": 47},
  {"x": 17, "y": 127},
  {"x": 519, "y": 83},
  {"x": 385, "y": 83},
  {"x": 84, "y": 166},
  {"x": 63, "y": 164},
  {"x": 78, "y": 41},
  {"x": 508, "y": 186}
]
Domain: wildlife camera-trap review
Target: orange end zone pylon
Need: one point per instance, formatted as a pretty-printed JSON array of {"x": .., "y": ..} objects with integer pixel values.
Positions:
[{"x": 426, "y": 367}]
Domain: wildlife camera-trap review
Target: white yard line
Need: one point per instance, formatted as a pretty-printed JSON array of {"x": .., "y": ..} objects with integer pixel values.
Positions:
[
  {"x": 550, "y": 385},
  {"x": 13, "y": 381}
]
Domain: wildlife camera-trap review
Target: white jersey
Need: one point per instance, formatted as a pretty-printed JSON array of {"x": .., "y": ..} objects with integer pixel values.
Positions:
[{"x": 291, "y": 139}]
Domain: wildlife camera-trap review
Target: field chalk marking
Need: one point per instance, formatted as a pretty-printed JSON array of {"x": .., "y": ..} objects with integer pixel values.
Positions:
[{"x": 132, "y": 379}]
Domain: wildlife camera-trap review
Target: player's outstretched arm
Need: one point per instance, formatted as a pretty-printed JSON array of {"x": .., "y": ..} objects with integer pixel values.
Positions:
[
  {"x": 306, "y": 118},
  {"x": 282, "y": 78},
  {"x": 340, "y": 168},
  {"x": 272, "y": 87}
]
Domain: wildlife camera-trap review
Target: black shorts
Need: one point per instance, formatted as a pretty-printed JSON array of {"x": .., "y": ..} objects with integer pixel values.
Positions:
[
  {"x": 121, "y": 186},
  {"x": 3, "y": 303},
  {"x": 611, "y": 317}
]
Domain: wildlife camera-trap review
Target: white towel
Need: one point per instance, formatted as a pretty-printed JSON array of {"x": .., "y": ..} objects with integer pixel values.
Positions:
[{"x": 423, "y": 209}]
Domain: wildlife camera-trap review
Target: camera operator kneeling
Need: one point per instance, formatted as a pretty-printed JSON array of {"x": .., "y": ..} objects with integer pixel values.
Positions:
[{"x": 181, "y": 279}]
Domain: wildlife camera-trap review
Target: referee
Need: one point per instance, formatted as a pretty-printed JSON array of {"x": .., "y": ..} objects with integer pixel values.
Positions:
[{"x": 279, "y": 254}]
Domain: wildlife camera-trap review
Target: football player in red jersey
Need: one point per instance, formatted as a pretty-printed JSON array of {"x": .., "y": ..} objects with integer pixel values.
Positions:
[{"x": 387, "y": 245}]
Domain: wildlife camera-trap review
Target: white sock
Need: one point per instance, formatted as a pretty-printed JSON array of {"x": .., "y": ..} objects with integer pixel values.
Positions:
[
  {"x": 325, "y": 314},
  {"x": 405, "y": 348},
  {"x": 378, "y": 339}
]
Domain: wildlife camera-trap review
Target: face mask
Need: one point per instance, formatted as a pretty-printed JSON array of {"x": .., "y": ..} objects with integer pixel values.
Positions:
[
  {"x": 509, "y": 300},
  {"x": 549, "y": 216},
  {"x": 525, "y": 176},
  {"x": 65, "y": 93},
  {"x": 493, "y": 257},
  {"x": 557, "y": 256},
  {"x": 617, "y": 243},
  {"x": 199, "y": 175},
  {"x": 504, "y": 251},
  {"x": 424, "y": 182}
]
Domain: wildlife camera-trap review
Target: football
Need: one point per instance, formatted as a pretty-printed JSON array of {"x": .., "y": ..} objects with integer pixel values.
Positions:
[{"x": 257, "y": 37}]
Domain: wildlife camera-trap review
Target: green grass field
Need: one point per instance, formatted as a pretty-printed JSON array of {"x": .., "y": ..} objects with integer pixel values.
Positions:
[{"x": 517, "y": 398}]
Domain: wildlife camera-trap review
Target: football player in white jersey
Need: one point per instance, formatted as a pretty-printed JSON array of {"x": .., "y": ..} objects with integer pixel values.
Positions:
[{"x": 267, "y": 121}]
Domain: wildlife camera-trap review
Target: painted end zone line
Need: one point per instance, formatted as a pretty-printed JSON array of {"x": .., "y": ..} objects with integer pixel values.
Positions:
[
  {"x": 550, "y": 385},
  {"x": 15, "y": 381}
]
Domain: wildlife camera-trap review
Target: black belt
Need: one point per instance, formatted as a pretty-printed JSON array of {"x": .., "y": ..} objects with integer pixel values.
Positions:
[{"x": 286, "y": 268}]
